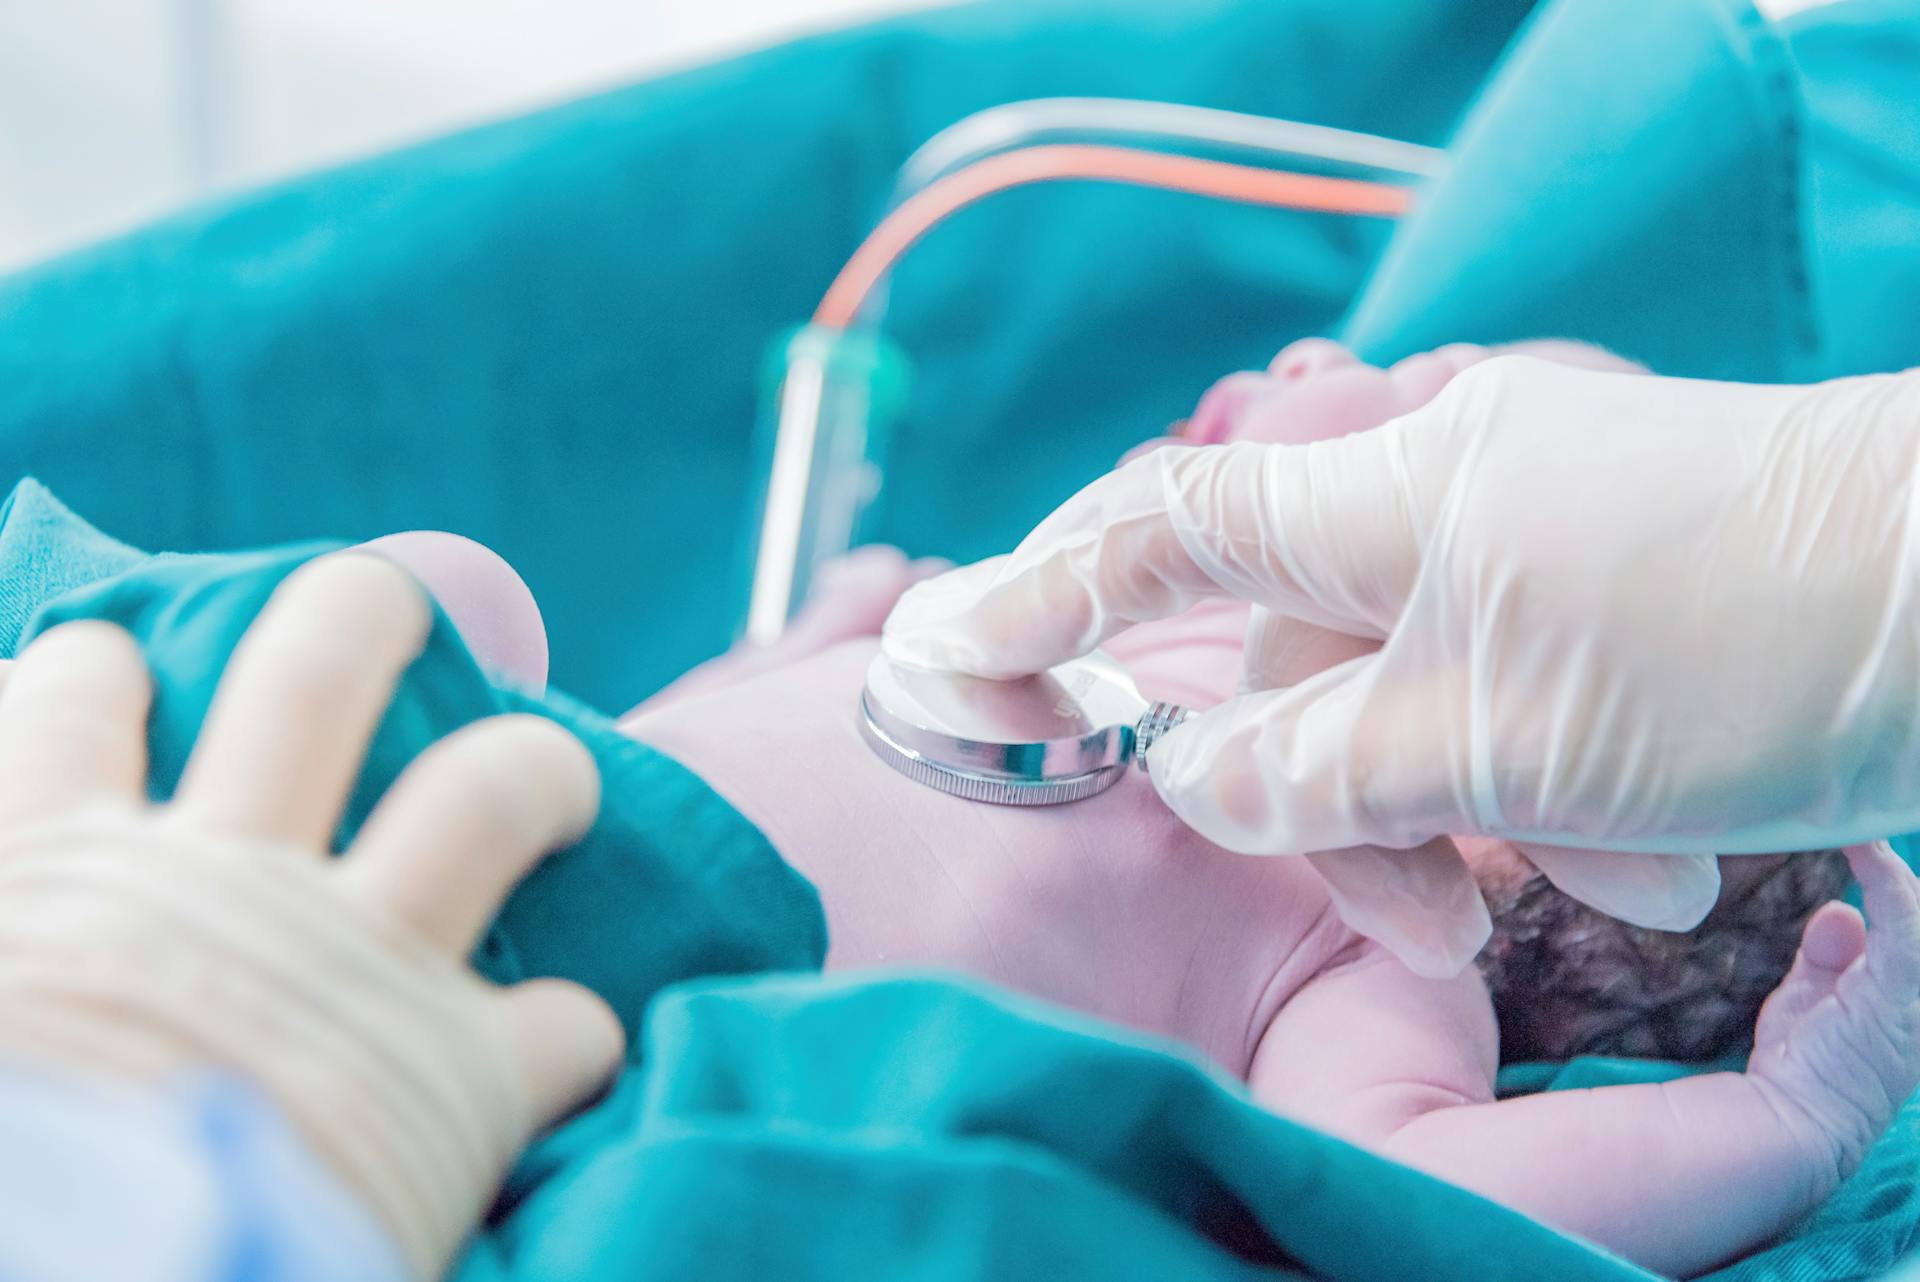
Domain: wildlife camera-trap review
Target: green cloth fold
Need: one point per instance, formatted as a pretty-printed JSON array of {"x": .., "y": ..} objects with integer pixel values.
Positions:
[{"x": 923, "y": 1127}]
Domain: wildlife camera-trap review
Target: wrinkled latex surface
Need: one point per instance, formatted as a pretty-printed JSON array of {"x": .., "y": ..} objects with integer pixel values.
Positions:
[
  {"x": 1664, "y": 615},
  {"x": 392, "y": 1061}
]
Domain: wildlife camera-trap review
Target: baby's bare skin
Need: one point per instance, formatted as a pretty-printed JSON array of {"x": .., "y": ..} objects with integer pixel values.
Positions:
[{"x": 1112, "y": 907}]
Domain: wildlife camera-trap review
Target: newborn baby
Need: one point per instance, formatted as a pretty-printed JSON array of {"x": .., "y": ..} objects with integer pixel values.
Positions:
[{"x": 1113, "y": 907}]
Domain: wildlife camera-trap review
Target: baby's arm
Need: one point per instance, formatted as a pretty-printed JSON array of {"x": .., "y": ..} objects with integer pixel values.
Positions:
[{"x": 1404, "y": 1066}]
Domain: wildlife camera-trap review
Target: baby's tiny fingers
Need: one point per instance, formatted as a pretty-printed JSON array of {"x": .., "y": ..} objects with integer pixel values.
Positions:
[
  {"x": 1891, "y": 894},
  {"x": 1833, "y": 939}
]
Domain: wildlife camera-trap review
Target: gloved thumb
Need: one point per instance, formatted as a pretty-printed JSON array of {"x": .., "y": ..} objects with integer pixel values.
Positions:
[
  {"x": 1327, "y": 763},
  {"x": 1329, "y": 533},
  {"x": 566, "y": 1044},
  {"x": 1660, "y": 892},
  {"x": 1283, "y": 772},
  {"x": 1422, "y": 905}
]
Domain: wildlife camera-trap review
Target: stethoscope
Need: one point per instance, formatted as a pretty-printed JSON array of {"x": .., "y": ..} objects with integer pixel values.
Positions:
[
  {"x": 1074, "y": 730},
  {"x": 1068, "y": 733}
]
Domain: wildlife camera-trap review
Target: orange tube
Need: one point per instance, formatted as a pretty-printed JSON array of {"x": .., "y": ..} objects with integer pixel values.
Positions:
[{"x": 919, "y": 214}]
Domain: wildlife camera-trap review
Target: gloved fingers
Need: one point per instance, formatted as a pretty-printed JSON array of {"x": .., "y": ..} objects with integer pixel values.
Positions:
[
  {"x": 73, "y": 722},
  {"x": 917, "y": 629},
  {"x": 467, "y": 819},
  {"x": 1423, "y": 905},
  {"x": 1891, "y": 896},
  {"x": 566, "y": 1044},
  {"x": 1660, "y": 892},
  {"x": 1834, "y": 937},
  {"x": 1329, "y": 532},
  {"x": 1281, "y": 651},
  {"x": 301, "y": 698},
  {"x": 1323, "y": 764}
]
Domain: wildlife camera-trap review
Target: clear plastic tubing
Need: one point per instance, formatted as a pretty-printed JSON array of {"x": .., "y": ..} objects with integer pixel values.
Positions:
[
  {"x": 1022, "y": 124},
  {"x": 832, "y": 394},
  {"x": 828, "y": 408},
  {"x": 1134, "y": 121}
]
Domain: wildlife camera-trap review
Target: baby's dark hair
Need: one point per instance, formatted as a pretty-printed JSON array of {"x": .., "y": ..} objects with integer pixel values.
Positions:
[{"x": 1568, "y": 980}]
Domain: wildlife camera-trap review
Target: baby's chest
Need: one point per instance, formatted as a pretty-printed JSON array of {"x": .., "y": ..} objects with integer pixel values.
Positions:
[{"x": 1196, "y": 948}]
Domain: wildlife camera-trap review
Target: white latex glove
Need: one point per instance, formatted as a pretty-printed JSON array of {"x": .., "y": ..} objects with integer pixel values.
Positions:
[
  {"x": 1662, "y": 615},
  {"x": 140, "y": 941}
]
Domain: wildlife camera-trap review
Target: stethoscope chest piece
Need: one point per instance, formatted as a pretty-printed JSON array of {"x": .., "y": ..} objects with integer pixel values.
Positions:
[{"x": 1065, "y": 734}]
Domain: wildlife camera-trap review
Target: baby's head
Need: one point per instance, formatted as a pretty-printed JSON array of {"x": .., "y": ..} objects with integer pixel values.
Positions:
[{"x": 1569, "y": 980}]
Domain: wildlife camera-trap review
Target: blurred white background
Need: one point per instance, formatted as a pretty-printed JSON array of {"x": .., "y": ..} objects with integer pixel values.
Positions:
[{"x": 114, "y": 111}]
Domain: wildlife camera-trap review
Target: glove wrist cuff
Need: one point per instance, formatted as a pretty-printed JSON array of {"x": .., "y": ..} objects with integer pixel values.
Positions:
[{"x": 141, "y": 959}]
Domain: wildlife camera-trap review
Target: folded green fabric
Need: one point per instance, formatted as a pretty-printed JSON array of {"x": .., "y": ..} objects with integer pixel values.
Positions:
[
  {"x": 1690, "y": 184},
  {"x": 927, "y": 1128}
]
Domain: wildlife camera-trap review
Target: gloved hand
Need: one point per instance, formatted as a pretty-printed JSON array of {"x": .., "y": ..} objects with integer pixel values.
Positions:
[
  {"x": 1664, "y": 615},
  {"x": 212, "y": 932}
]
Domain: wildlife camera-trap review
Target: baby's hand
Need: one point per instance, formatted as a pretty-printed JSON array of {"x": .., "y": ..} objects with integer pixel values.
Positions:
[{"x": 1838, "y": 1043}]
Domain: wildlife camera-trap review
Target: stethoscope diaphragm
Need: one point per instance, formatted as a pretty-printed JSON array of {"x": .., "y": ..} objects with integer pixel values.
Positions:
[{"x": 1064, "y": 734}]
